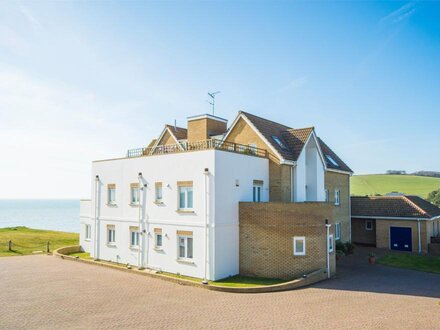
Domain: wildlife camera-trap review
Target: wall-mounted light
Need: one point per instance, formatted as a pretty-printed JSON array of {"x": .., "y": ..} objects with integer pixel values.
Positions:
[
  {"x": 206, "y": 171},
  {"x": 97, "y": 178},
  {"x": 237, "y": 183},
  {"x": 140, "y": 175}
]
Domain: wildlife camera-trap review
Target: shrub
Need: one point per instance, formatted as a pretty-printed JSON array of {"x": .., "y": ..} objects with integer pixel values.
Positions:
[
  {"x": 340, "y": 247},
  {"x": 349, "y": 247},
  {"x": 434, "y": 197}
]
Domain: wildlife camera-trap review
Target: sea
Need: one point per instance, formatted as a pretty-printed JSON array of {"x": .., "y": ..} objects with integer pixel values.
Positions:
[{"x": 53, "y": 214}]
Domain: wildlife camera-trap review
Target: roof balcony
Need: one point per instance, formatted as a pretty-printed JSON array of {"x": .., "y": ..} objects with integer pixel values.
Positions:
[{"x": 210, "y": 144}]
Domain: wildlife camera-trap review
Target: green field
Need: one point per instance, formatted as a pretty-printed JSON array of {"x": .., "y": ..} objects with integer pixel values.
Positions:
[
  {"x": 362, "y": 185},
  {"x": 28, "y": 241}
]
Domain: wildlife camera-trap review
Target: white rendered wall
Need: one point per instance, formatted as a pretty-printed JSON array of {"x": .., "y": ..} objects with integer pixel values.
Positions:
[
  {"x": 231, "y": 168},
  {"x": 309, "y": 171},
  {"x": 222, "y": 203}
]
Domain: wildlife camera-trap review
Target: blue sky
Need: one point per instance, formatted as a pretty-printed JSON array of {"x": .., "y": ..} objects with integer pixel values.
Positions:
[{"x": 81, "y": 81}]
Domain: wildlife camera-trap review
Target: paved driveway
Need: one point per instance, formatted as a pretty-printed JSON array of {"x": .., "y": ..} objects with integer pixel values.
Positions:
[{"x": 46, "y": 292}]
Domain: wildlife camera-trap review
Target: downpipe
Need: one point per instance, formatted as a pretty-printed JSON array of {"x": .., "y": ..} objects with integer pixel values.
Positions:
[
  {"x": 327, "y": 226},
  {"x": 206, "y": 175},
  {"x": 96, "y": 252}
]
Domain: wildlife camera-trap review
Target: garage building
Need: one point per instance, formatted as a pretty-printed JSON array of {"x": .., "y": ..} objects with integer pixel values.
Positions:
[{"x": 404, "y": 223}]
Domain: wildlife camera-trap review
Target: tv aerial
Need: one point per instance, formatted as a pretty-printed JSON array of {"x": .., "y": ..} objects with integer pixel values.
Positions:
[{"x": 212, "y": 96}]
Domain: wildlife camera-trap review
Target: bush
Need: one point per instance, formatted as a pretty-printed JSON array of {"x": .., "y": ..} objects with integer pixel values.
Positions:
[
  {"x": 434, "y": 197},
  {"x": 340, "y": 247},
  {"x": 349, "y": 248}
]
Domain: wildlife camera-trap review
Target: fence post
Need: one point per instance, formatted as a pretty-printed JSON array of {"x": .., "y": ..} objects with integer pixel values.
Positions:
[
  {"x": 48, "y": 247},
  {"x": 10, "y": 245}
]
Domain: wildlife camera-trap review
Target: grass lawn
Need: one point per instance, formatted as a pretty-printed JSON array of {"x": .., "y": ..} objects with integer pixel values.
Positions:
[
  {"x": 362, "y": 185},
  {"x": 26, "y": 240},
  {"x": 410, "y": 261},
  {"x": 82, "y": 255}
]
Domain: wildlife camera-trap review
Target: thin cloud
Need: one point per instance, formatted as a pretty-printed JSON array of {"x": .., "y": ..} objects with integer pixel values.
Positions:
[
  {"x": 399, "y": 15},
  {"x": 33, "y": 21},
  {"x": 292, "y": 85}
]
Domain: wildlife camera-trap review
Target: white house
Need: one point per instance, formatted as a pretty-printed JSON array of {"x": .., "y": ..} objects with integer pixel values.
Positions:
[{"x": 174, "y": 205}]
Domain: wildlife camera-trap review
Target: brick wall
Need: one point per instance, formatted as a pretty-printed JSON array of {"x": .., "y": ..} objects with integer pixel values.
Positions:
[
  {"x": 167, "y": 139},
  {"x": 360, "y": 235},
  {"x": 383, "y": 233},
  {"x": 266, "y": 238},
  {"x": 201, "y": 129},
  {"x": 279, "y": 175},
  {"x": 341, "y": 213}
]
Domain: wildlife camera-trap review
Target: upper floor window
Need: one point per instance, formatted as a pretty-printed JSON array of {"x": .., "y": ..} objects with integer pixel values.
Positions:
[
  {"x": 158, "y": 192},
  {"x": 332, "y": 161},
  {"x": 337, "y": 230},
  {"x": 185, "y": 195},
  {"x": 111, "y": 194},
  {"x": 337, "y": 197},
  {"x": 134, "y": 193},
  {"x": 257, "y": 190},
  {"x": 368, "y": 224}
]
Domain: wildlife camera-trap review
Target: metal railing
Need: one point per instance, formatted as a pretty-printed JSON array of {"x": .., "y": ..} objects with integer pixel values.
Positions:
[{"x": 197, "y": 146}]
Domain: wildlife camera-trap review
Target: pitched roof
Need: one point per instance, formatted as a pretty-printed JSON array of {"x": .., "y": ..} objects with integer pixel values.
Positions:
[
  {"x": 330, "y": 153},
  {"x": 293, "y": 141},
  {"x": 269, "y": 129},
  {"x": 296, "y": 139},
  {"x": 179, "y": 133},
  {"x": 393, "y": 207}
]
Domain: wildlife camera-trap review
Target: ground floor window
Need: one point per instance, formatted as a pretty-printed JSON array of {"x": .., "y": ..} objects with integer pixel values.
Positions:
[
  {"x": 185, "y": 247},
  {"x": 368, "y": 224},
  {"x": 134, "y": 236},
  {"x": 257, "y": 190},
  {"x": 88, "y": 232},
  {"x": 111, "y": 237},
  {"x": 158, "y": 238},
  {"x": 331, "y": 243},
  {"x": 337, "y": 230},
  {"x": 299, "y": 246}
]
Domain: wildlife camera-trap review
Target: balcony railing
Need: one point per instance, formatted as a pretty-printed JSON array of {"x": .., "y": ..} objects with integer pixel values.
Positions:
[{"x": 197, "y": 146}]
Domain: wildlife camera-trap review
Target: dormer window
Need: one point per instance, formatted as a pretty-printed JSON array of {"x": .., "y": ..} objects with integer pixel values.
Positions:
[
  {"x": 331, "y": 160},
  {"x": 278, "y": 141}
]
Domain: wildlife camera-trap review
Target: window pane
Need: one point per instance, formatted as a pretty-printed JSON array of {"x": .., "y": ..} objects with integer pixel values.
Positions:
[
  {"x": 189, "y": 198},
  {"x": 254, "y": 194},
  {"x": 190, "y": 247},
  {"x": 158, "y": 240},
  {"x": 259, "y": 194},
  {"x": 182, "y": 198},
  {"x": 181, "y": 252},
  {"x": 299, "y": 246},
  {"x": 158, "y": 193}
]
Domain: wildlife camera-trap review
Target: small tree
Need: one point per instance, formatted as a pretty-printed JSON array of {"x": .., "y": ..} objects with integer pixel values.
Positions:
[{"x": 434, "y": 197}]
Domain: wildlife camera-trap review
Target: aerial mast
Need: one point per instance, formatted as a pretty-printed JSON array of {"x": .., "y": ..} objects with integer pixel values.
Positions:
[{"x": 212, "y": 96}]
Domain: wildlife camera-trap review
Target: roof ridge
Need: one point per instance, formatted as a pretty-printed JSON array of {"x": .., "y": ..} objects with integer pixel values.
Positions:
[
  {"x": 303, "y": 128},
  {"x": 415, "y": 205},
  {"x": 248, "y": 113},
  {"x": 172, "y": 126}
]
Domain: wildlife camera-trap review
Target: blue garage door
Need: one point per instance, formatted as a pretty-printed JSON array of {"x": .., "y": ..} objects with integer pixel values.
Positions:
[{"x": 401, "y": 238}]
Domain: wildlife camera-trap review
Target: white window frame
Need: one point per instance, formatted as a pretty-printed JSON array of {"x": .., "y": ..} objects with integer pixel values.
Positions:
[
  {"x": 331, "y": 243},
  {"x": 111, "y": 235},
  {"x": 156, "y": 246},
  {"x": 186, "y": 190},
  {"x": 299, "y": 238},
  {"x": 111, "y": 196},
  {"x": 88, "y": 232},
  {"x": 369, "y": 228},
  {"x": 337, "y": 231},
  {"x": 257, "y": 191},
  {"x": 134, "y": 237},
  {"x": 337, "y": 197},
  {"x": 187, "y": 257}
]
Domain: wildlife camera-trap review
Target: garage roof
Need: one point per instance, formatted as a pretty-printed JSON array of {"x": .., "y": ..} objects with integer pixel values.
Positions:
[{"x": 404, "y": 206}]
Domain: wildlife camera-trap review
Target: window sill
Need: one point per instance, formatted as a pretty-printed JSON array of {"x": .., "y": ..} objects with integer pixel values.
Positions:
[
  {"x": 185, "y": 211},
  {"x": 185, "y": 261},
  {"x": 112, "y": 204},
  {"x": 134, "y": 204},
  {"x": 158, "y": 249},
  {"x": 87, "y": 239},
  {"x": 112, "y": 245},
  {"x": 158, "y": 202},
  {"x": 134, "y": 247}
]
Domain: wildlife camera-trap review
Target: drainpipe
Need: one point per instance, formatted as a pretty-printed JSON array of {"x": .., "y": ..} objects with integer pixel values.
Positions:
[
  {"x": 96, "y": 252},
  {"x": 140, "y": 250},
  {"x": 206, "y": 174},
  {"x": 418, "y": 233},
  {"x": 327, "y": 227},
  {"x": 292, "y": 197}
]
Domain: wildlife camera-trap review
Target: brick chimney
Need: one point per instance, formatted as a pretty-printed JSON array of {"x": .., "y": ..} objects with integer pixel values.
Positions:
[{"x": 202, "y": 127}]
